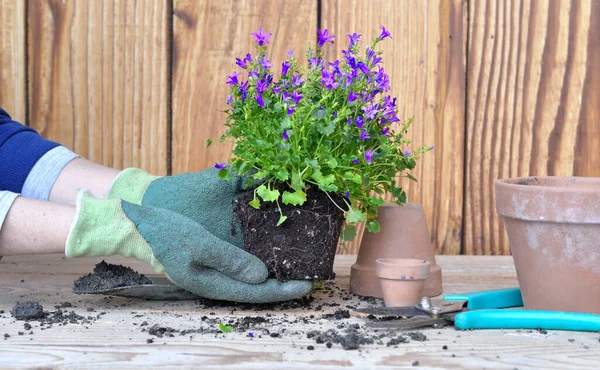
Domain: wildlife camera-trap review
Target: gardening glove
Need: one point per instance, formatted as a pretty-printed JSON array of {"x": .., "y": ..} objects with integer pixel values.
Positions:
[
  {"x": 201, "y": 196},
  {"x": 177, "y": 246}
]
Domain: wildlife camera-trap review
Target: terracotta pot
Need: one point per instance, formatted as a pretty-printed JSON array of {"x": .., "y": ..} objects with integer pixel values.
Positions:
[
  {"x": 553, "y": 226},
  {"x": 404, "y": 234},
  {"x": 402, "y": 280}
]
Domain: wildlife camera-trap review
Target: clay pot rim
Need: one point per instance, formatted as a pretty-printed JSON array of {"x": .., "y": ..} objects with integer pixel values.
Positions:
[
  {"x": 512, "y": 184},
  {"x": 402, "y": 262}
]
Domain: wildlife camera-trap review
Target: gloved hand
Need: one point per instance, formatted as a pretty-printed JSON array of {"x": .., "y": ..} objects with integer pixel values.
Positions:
[
  {"x": 201, "y": 196},
  {"x": 174, "y": 244}
]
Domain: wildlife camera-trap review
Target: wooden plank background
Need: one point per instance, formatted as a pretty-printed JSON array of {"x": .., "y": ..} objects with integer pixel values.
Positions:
[
  {"x": 501, "y": 88},
  {"x": 533, "y": 102}
]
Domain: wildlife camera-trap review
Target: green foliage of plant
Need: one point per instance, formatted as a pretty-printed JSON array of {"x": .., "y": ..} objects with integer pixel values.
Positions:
[
  {"x": 225, "y": 328},
  {"x": 327, "y": 125}
]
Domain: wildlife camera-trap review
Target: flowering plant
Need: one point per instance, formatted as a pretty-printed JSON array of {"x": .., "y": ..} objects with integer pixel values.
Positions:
[{"x": 326, "y": 125}]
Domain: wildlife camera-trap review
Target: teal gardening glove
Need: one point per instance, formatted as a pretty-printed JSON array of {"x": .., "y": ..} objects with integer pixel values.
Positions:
[
  {"x": 207, "y": 200},
  {"x": 172, "y": 243}
]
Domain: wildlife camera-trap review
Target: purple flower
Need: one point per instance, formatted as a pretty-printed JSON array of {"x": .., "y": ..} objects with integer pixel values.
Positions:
[
  {"x": 355, "y": 161},
  {"x": 369, "y": 155},
  {"x": 243, "y": 63},
  {"x": 285, "y": 135},
  {"x": 285, "y": 66},
  {"x": 244, "y": 90},
  {"x": 382, "y": 79},
  {"x": 384, "y": 33},
  {"x": 259, "y": 100},
  {"x": 297, "y": 80},
  {"x": 349, "y": 122},
  {"x": 431, "y": 147},
  {"x": 350, "y": 59},
  {"x": 261, "y": 37},
  {"x": 290, "y": 53},
  {"x": 264, "y": 62},
  {"x": 364, "y": 68},
  {"x": 328, "y": 80},
  {"x": 347, "y": 194},
  {"x": 285, "y": 96},
  {"x": 251, "y": 334},
  {"x": 291, "y": 110},
  {"x": 336, "y": 66},
  {"x": 334, "y": 115},
  {"x": 296, "y": 96},
  {"x": 406, "y": 153},
  {"x": 359, "y": 122},
  {"x": 352, "y": 97},
  {"x": 370, "y": 53},
  {"x": 363, "y": 136},
  {"x": 370, "y": 111},
  {"x": 353, "y": 39},
  {"x": 386, "y": 131},
  {"x": 229, "y": 99},
  {"x": 277, "y": 90},
  {"x": 376, "y": 60},
  {"x": 324, "y": 37},
  {"x": 220, "y": 166},
  {"x": 232, "y": 79},
  {"x": 253, "y": 74},
  {"x": 262, "y": 86},
  {"x": 314, "y": 62}
]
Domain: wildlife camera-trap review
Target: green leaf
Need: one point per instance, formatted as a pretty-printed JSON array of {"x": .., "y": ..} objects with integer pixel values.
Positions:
[
  {"x": 332, "y": 163},
  {"x": 283, "y": 175},
  {"x": 355, "y": 216},
  {"x": 329, "y": 179},
  {"x": 286, "y": 123},
  {"x": 255, "y": 203},
  {"x": 208, "y": 142},
  {"x": 349, "y": 233},
  {"x": 297, "y": 182},
  {"x": 330, "y": 187},
  {"x": 326, "y": 129},
  {"x": 376, "y": 201},
  {"x": 296, "y": 198},
  {"x": 259, "y": 175},
  {"x": 353, "y": 176},
  {"x": 266, "y": 194},
  {"x": 373, "y": 226},
  {"x": 225, "y": 328},
  {"x": 282, "y": 219},
  {"x": 225, "y": 174},
  {"x": 311, "y": 163},
  {"x": 411, "y": 177}
]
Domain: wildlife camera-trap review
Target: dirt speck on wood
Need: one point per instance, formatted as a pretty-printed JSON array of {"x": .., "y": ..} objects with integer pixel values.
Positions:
[{"x": 107, "y": 276}]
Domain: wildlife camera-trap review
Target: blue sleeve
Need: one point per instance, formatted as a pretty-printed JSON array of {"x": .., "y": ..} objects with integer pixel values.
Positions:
[{"x": 20, "y": 148}]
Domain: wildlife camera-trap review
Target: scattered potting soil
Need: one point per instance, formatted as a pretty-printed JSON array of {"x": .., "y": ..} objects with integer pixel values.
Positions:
[
  {"x": 27, "y": 311},
  {"x": 107, "y": 276},
  {"x": 301, "y": 248}
]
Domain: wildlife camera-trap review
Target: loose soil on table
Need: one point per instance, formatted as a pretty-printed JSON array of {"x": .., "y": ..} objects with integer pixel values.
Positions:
[
  {"x": 303, "y": 247},
  {"x": 107, "y": 276}
]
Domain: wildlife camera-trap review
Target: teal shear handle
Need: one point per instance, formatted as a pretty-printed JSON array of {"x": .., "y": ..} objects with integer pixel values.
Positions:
[
  {"x": 501, "y": 298},
  {"x": 527, "y": 319}
]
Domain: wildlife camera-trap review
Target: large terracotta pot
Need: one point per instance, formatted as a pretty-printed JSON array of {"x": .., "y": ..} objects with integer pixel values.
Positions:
[
  {"x": 404, "y": 234},
  {"x": 553, "y": 226}
]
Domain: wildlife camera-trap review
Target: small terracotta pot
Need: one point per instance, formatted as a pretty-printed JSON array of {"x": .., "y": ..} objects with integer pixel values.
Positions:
[
  {"x": 404, "y": 234},
  {"x": 402, "y": 280},
  {"x": 553, "y": 227}
]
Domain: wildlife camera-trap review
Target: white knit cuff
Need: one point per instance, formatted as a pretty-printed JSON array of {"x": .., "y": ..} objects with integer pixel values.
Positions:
[
  {"x": 43, "y": 175},
  {"x": 6, "y": 200}
]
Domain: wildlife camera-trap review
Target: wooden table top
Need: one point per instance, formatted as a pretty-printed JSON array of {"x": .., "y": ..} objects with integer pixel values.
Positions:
[{"x": 119, "y": 337}]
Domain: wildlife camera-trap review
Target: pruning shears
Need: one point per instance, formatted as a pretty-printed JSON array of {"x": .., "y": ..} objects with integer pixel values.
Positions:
[{"x": 481, "y": 310}]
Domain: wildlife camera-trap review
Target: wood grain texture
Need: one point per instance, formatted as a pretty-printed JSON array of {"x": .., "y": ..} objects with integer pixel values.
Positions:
[
  {"x": 13, "y": 66},
  {"x": 116, "y": 340},
  {"x": 208, "y": 36},
  {"x": 533, "y": 105},
  {"x": 99, "y": 79},
  {"x": 426, "y": 64}
]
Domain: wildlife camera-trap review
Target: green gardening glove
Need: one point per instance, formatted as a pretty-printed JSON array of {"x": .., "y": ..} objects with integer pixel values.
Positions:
[
  {"x": 176, "y": 245},
  {"x": 201, "y": 196}
]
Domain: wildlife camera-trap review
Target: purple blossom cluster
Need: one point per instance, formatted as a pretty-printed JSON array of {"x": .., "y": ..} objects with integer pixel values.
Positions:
[{"x": 362, "y": 80}]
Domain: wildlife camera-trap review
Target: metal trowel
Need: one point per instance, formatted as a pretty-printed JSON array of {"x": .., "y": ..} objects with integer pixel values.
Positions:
[{"x": 160, "y": 289}]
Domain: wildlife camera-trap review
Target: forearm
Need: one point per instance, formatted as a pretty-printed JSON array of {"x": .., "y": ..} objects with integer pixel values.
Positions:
[
  {"x": 80, "y": 174},
  {"x": 33, "y": 226}
]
